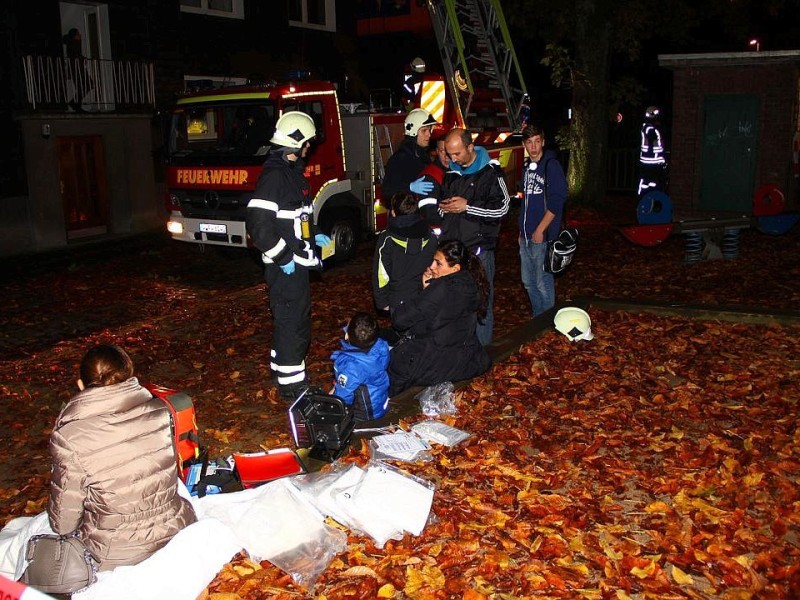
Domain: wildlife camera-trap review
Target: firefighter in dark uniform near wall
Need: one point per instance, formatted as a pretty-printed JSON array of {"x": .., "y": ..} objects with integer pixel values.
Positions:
[
  {"x": 275, "y": 226},
  {"x": 652, "y": 162}
]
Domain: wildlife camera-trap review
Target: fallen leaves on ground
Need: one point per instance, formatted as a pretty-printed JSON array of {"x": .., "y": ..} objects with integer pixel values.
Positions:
[{"x": 659, "y": 460}]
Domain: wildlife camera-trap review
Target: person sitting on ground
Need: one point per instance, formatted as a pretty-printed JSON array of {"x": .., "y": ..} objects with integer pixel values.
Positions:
[
  {"x": 114, "y": 473},
  {"x": 402, "y": 254},
  {"x": 441, "y": 321},
  {"x": 360, "y": 368}
]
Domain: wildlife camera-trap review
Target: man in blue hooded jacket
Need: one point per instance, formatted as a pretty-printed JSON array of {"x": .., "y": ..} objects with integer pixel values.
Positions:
[{"x": 544, "y": 190}]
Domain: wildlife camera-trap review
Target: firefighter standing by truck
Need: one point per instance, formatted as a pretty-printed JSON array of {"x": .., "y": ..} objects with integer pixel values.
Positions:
[
  {"x": 404, "y": 166},
  {"x": 279, "y": 223}
]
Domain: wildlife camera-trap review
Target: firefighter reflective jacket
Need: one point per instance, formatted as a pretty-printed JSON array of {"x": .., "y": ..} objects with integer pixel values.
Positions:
[{"x": 273, "y": 213}]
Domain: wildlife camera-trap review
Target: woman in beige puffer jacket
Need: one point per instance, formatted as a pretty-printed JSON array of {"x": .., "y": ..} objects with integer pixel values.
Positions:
[{"x": 114, "y": 475}]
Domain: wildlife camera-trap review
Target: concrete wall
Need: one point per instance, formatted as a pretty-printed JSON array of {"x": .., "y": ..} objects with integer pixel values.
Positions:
[
  {"x": 37, "y": 222},
  {"x": 777, "y": 88}
]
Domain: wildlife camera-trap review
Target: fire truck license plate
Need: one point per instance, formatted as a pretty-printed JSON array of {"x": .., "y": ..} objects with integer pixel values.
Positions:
[{"x": 213, "y": 228}]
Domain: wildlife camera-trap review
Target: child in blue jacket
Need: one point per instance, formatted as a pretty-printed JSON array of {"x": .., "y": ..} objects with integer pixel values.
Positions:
[{"x": 360, "y": 367}]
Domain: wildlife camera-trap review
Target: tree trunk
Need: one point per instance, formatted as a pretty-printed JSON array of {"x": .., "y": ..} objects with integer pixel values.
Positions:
[{"x": 589, "y": 130}]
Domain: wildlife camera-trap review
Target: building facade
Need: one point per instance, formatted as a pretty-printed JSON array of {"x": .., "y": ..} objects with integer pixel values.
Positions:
[
  {"x": 734, "y": 128},
  {"x": 89, "y": 90}
]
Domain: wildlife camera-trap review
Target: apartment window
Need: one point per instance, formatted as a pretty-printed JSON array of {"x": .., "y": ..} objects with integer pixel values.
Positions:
[
  {"x": 313, "y": 14},
  {"x": 233, "y": 9}
]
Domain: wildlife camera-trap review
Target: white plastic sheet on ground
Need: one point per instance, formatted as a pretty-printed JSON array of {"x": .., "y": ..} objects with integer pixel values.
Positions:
[
  {"x": 380, "y": 501},
  {"x": 272, "y": 522},
  {"x": 275, "y": 522}
]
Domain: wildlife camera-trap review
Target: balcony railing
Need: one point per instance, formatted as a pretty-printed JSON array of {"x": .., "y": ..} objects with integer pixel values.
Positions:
[{"x": 88, "y": 84}]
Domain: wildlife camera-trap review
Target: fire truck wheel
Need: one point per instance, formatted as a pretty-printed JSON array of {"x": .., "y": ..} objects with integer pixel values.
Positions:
[{"x": 344, "y": 232}]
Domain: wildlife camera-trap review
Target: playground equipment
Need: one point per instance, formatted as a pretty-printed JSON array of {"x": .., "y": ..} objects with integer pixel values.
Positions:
[{"x": 711, "y": 237}]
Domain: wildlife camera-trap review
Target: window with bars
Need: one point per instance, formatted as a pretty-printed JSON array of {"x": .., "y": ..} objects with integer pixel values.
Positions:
[{"x": 233, "y": 9}]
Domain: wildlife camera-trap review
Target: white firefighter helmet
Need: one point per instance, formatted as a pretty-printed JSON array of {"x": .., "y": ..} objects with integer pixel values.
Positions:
[
  {"x": 293, "y": 129},
  {"x": 574, "y": 323},
  {"x": 652, "y": 112},
  {"x": 418, "y": 65},
  {"x": 417, "y": 118}
]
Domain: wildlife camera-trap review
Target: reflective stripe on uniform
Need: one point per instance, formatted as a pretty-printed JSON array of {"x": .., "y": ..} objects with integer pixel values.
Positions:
[
  {"x": 383, "y": 275},
  {"x": 305, "y": 261},
  {"x": 288, "y": 380},
  {"x": 287, "y": 368},
  {"x": 276, "y": 249},
  {"x": 289, "y": 214},
  {"x": 263, "y": 204},
  {"x": 427, "y": 202}
]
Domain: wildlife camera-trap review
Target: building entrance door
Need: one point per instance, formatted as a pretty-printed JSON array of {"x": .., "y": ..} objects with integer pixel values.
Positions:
[
  {"x": 730, "y": 136},
  {"x": 83, "y": 185}
]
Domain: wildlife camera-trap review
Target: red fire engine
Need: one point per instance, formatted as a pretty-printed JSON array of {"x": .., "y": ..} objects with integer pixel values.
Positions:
[{"x": 219, "y": 138}]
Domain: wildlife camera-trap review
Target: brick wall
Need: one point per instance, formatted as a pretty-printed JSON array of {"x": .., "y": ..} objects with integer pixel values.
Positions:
[{"x": 776, "y": 86}]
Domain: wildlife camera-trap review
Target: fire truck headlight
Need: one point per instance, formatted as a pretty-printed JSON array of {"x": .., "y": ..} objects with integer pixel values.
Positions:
[{"x": 174, "y": 227}]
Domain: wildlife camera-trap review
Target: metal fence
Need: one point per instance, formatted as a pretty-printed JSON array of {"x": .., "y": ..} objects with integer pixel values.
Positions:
[{"x": 88, "y": 84}]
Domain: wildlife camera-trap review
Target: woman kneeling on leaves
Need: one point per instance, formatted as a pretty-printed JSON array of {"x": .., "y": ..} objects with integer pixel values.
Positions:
[
  {"x": 439, "y": 321},
  {"x": 114, "y": 476}
]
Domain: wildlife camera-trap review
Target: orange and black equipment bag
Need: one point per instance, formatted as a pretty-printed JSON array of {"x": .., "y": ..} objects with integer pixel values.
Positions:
[{"x": 188, "y": 449}]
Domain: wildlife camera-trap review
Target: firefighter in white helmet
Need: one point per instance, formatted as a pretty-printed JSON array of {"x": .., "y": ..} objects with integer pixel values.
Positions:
[
  {"x": 574, "y": 323},
  {"x": 274, "y": 216},
  {"x": 411, "y": 157}
]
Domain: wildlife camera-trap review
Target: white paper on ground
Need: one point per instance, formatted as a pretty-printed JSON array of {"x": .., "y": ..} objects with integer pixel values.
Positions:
[
  {"x": 323, "y": 494},
  {"x": 402, "y": 501},
  {"x": 400, "y": 445},
  {"x": 440, "y": 433},
  {"x": 368, "y": 519}
]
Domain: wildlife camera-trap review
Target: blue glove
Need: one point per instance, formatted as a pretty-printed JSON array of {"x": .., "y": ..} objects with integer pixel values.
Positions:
[
  {"x": 288, "y": 268},
  {"x": 421, "y": 187},
  {"x": 322, "y": 240}
]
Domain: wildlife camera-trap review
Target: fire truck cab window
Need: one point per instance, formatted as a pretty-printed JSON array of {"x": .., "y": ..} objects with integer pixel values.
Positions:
[
  {"x": 314, "y": 110},
  {"x": 232, "y": 130},
  {"x": 250, "y": 130},
  {"x": 201, "y": 125}
]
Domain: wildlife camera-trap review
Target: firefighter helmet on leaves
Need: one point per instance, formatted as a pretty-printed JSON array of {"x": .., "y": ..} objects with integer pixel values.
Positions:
[
  {"x": 416, "y": 119},
  {"x": 293, "y": 129},
  {"x": 574, "y": 323}
]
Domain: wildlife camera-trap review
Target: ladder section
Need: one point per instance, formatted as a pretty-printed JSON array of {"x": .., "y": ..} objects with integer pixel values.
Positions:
[
  {"x": 480, "y": 64},
  {"x": 382, "y": 140}
]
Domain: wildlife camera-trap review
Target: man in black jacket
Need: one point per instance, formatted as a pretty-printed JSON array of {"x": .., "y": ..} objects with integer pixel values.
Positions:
[
  {"x": 273, "y": 220},
  {"x": 473, "y": 199}
]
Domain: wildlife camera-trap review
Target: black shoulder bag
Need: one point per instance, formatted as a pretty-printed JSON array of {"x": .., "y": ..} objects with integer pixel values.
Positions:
[{"x": 561, "y": 250}]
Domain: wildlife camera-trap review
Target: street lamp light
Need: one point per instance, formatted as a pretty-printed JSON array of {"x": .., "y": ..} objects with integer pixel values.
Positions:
[{"x": 756, "y": 43}]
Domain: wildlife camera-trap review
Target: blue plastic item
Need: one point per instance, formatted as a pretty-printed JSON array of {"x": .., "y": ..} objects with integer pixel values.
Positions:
[
  {"x": 777, "y": 224},
  {"x": 655, "y": 208}
]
